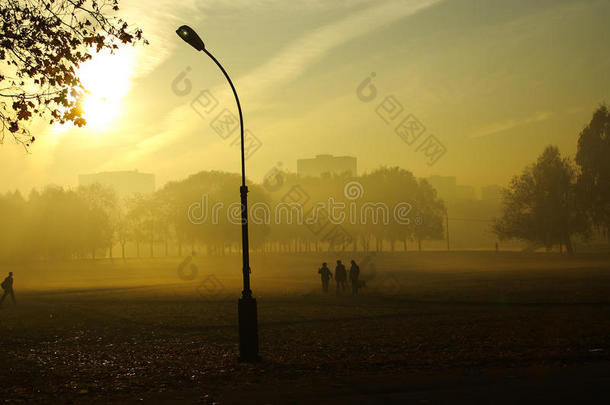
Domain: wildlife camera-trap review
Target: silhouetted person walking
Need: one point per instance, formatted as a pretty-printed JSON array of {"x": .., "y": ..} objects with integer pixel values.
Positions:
[
  {"x": 354, "y": 274},
  {"x": 7, "y": 286},
  {"x": 340, "y": 276},
  {"x": 325, "y": 275}
]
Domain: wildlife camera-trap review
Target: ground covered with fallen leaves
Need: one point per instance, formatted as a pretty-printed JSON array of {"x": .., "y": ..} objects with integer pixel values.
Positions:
[{"x": 160, "y": 344}]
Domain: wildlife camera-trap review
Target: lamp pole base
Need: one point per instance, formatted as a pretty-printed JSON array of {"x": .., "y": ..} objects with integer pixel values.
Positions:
[{"x": 248, "y": 330}]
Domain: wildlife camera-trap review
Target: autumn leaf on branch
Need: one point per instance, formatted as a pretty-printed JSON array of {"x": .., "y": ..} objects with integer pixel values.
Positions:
[{"x": 43, "y": 43}]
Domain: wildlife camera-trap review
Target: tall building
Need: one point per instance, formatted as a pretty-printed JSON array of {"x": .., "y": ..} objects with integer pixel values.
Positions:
[
  {"x": 448, "y": 189},
  {"x": 327, "y": 164},
  {"x": 492, "y": 192},
  {"x": 463, "y": 192},
  {"x": 123, "y": 182}
]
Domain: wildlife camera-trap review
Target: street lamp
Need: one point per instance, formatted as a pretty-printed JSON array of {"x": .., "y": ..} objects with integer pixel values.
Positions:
[{"x": 246, "y": 307}]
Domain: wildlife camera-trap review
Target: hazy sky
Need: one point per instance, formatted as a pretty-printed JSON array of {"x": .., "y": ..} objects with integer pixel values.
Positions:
[{"x": 494, "y": 80}]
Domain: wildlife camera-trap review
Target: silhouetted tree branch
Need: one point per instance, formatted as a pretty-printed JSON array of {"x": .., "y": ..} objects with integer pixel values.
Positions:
[{"x": 42, "y": 44}]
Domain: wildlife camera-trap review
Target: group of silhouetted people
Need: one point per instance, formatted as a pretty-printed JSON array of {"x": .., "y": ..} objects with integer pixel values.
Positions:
[
  {"x": 341, "y": 276},
  {"x": 7, "y": 287}
]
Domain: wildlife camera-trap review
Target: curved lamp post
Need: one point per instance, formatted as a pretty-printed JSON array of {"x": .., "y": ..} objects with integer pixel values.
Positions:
[{"x": 246, "y": 307}]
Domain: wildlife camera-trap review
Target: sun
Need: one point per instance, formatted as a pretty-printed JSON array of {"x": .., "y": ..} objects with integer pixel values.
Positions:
[{"x": 107, "y": 78}]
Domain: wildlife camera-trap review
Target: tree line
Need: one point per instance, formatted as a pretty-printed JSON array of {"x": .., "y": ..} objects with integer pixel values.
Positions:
[
  {"x": 552, "y": 202},
  {"x": 391, "y": 208},
  {"x": 558, "y": 198}
]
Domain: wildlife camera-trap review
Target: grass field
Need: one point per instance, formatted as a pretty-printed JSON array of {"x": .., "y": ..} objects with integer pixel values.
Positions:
[{"x": 431, "y": 326}]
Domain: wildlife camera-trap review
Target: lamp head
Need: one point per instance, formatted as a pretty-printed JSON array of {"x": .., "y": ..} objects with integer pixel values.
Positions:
[{"x": 190, "y": 36}]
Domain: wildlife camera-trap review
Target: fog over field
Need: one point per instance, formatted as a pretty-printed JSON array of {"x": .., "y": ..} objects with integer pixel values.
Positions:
[{"x": 304, "y": 202}]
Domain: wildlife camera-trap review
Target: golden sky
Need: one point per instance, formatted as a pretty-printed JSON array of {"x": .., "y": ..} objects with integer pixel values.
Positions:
[{"x": 493, "y": 80}]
